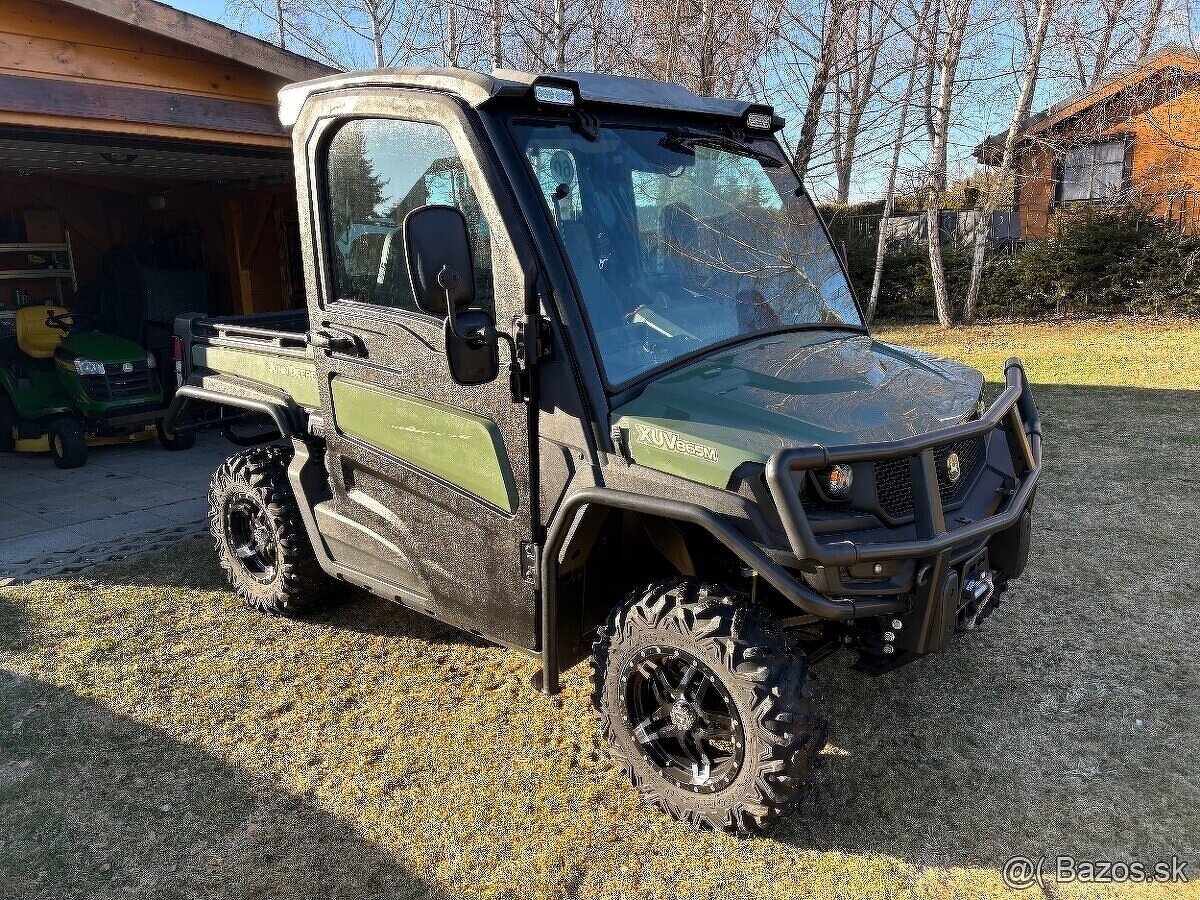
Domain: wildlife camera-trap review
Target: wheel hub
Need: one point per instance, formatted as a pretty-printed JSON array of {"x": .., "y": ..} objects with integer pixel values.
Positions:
[
  {"x": 251, "y": 539},
  {"x": 683, "y": 719},
  {"x": 684, "y": 716}
]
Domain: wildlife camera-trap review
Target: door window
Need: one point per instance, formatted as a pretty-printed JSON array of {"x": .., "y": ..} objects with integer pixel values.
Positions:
[{"x": 378, "y": 171}]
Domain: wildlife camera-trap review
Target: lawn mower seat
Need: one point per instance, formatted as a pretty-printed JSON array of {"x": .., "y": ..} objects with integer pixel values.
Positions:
[{"x": 34, "y": 337}]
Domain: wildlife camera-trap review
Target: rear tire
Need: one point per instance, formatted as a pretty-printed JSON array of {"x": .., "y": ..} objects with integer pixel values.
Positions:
[
  {"x": 68, "y": 444},
  {"x": 8, "y": 421},
  {"x": 179, "y": 440},
  {"x": 259, "y": 536},
  {"x": 731, "y": 746}
]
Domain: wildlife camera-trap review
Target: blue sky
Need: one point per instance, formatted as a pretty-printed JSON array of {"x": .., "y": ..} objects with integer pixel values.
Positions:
[{"x": 210, "y": 9}]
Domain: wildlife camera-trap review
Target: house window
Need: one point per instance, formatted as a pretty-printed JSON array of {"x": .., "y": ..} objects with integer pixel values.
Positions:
[{"x": 1093, "y": 172}]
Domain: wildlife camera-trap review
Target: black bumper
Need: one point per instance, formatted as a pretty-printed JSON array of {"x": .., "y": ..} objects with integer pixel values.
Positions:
[
  {"x": 1014, "y": 408},
  {"x": 943, "y": 557},
  {"x": 129, "y": 417}
]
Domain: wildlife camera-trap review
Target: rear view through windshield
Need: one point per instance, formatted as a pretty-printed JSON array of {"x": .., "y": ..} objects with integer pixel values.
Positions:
[{"x": 683, "y": 239}]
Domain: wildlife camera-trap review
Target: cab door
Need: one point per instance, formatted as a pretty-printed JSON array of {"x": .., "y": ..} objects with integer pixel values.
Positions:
[{"x": 430, "y": 479}]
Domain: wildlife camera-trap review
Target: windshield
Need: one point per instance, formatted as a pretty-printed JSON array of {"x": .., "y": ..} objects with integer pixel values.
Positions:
[{"x": 681, "y": 239}]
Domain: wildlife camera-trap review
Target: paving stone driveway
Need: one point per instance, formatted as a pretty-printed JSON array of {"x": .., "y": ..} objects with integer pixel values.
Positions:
[{"x": 121, "y": 492}]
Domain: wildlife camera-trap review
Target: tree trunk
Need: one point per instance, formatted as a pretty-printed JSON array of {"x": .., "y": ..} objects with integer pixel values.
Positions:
[
  {"x": 819, "y": 87},
  {"x": 560, "y": 35},
  {"x": 889, "y": 197},
  {"x": 497, "y": 33},
  {"x": 1007, "y": 161},
  {"x": 377, "y": 36},
  {"x": 1150, "y": 31},
  {"x": 957, "y": 16}
]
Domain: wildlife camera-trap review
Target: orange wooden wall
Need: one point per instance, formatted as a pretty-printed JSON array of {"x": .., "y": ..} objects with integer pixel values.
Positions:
[
  {"x": 1165, "y": 162},
  {"x": 55, "y": 41}
]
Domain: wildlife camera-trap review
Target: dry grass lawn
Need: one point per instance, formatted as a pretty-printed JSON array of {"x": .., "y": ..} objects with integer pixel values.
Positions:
[{"x": 157, "y": 740}]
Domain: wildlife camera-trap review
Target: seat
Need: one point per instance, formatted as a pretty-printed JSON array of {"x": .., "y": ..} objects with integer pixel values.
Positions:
[{"x": 34, "y": 337}]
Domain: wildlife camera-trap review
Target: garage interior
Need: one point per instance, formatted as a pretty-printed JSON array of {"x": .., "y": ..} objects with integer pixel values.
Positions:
[
  {"x": 133, "y": 233},
  {"x": 143, "y": 173}
]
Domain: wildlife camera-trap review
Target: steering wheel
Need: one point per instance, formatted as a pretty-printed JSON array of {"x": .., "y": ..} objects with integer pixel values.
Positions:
[{"x": 63, "y": 321}]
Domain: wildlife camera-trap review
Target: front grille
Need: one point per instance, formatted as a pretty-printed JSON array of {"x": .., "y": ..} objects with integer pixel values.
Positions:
[
  {"x": 116, "y": 384},
  {"x": 893, "y": 479},
  {"x": 893, "y": 487}
]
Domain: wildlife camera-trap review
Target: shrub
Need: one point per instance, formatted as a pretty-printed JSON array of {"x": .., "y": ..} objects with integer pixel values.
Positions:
[{"x": 1122, "y": 261}]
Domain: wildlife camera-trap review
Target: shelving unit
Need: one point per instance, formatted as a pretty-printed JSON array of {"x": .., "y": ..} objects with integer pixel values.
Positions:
[{"x": 58, "y": 274}]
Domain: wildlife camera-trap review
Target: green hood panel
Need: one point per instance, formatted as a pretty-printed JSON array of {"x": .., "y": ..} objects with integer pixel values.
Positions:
[
  {"x": 106, "y": 348},
  {"x": 791, "y": 390}
]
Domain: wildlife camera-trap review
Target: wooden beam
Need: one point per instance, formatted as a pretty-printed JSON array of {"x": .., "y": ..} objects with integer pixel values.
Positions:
[
  {"x": 77, "y": 124},
  {"x": 50, "y": 57},
  {"x": 20, "y": 94},
  {"x": 240, "y": 289},
  {"x": 163, "y": 20}
]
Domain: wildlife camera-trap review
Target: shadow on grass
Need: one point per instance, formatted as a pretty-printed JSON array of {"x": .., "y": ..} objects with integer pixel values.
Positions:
[
  {"x": 1067, "y": 725},
  {"x": 94, "y": 803}
]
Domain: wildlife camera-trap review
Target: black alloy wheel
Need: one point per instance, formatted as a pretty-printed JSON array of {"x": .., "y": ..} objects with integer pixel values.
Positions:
[{"x": 684, "y": 719}]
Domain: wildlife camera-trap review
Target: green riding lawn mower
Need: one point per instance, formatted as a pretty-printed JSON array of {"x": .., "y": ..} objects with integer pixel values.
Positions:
[{"x": 65, "y": 387}]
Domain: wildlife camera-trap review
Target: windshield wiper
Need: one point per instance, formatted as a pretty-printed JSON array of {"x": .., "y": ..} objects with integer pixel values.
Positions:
[{"x": 688, "y": 138}]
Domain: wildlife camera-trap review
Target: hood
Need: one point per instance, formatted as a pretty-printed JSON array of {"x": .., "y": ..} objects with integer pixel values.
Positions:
[
  {"x": 106, "y": 348},
  {"x": 791, "y": 390}
]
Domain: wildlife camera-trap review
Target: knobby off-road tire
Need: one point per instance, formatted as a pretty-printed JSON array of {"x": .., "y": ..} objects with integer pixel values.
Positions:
[
  {"x": 259, "y": 536},
  {"x": 748, "y": 767}
]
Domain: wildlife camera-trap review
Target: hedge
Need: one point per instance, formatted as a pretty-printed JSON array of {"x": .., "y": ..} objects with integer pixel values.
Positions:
[{"x": 1122, "y": 261}]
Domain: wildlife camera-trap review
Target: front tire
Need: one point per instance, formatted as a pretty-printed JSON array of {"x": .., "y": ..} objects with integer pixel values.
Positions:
[
  {"x": 714, "y": 719},
  {"x": 68, "y": 444},
  {"x": 259, "y": 536}
]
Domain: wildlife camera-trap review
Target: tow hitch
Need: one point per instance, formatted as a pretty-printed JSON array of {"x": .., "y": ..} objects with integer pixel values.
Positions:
[{"x": 978, "y": 592}]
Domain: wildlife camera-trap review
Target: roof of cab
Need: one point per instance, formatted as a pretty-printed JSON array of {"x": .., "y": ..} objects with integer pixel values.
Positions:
[{"x": 476, "y": 89}]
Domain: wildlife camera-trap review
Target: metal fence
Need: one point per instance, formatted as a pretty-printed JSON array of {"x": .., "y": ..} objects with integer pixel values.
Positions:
[
  {"x": 1009, "y": 230},
  {"x": 955, "y": 228}
]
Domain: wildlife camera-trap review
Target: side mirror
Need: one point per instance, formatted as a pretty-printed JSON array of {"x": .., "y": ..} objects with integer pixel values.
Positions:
[
  {"x": 435, "y": 237},
  {"x": 442, "y": 271}
]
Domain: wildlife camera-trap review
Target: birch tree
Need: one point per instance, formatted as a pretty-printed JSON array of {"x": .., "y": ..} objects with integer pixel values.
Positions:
[
  {"x": 866, "y": 37},
  {"x": 1007, "y": 167},
  {"x": 919, "y": 29},
  {"x": 946, "y": 55}
]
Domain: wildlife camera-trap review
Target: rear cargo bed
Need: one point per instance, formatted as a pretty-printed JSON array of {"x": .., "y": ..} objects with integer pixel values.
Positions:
[{"x": 267, "y": 348}]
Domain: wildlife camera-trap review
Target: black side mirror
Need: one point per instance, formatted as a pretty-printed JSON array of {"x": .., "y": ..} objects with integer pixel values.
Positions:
[{"x": 442, "y": 271}]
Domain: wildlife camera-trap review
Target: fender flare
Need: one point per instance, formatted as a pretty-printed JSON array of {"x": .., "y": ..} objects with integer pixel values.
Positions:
[{"x": 746, "y": 550}]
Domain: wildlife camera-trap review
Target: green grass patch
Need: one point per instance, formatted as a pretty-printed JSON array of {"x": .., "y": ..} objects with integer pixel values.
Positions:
[{"x": 158, "y": 740}]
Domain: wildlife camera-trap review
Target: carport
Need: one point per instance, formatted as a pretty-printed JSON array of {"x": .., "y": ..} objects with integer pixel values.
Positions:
[
  {"x": 143, "y": 173},
  {"x": 142, "y": 166}
]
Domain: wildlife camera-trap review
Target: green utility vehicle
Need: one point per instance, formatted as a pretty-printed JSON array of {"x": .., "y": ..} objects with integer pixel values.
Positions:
[
  {"x": 582, "y": 374},
  {"x": 65, "y": 387}
]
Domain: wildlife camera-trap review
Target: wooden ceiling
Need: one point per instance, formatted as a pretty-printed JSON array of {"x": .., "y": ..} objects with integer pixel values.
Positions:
[{"x": 46, "y": 153}]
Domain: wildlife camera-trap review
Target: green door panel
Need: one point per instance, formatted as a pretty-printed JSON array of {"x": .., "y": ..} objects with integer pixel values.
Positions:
[
  {"x": 461, "y": 448},
  {"x": 295, "y": 375}
]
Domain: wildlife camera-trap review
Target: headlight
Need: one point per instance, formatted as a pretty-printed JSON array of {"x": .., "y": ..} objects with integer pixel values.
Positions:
[
  {"x": 151, "y": 362},
  {"x": 837, "y": 481},
  {"x": 89, "y": 366}
]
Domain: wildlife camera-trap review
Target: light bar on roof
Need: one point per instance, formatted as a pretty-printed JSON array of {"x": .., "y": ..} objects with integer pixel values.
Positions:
[
  {"x": 759, "y": 121},
  {"x": 550, "y": 93}
]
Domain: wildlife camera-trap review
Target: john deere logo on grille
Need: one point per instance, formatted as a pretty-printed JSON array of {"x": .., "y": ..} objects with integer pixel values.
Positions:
[
  {"x": 126, "y": 367},
  {"x": 953, "y": 468},
  {"x": 652, "y": 436}
]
